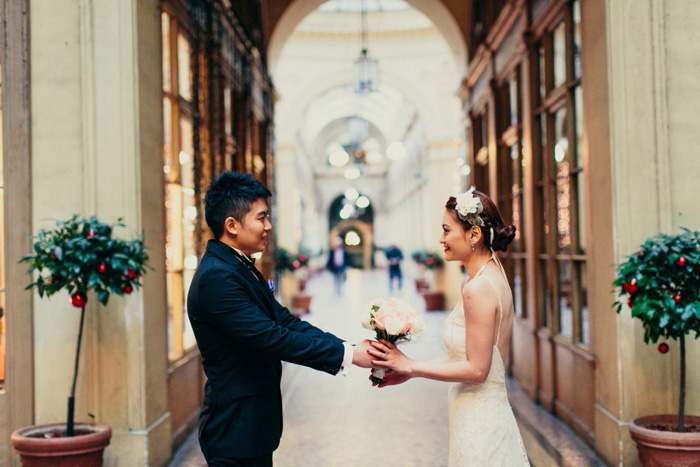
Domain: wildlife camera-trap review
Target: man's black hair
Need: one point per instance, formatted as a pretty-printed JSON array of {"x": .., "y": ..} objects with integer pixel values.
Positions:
[{"x": 230, "y": 195}]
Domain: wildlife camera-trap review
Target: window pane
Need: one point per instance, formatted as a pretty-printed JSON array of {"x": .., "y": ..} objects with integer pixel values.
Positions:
[
  {"x": 583, "y": 323},
  {"x": 559, "y": 55},
  {"x": 519, "y": 287},
  {"x": 538, "y": 158},
  {"x": 228, "y": 120},
  {"x": 167, "y": 53},
  {"x": 578, "y": 125},
  {"x": 565, "y": 297},
  {"x": 171, "y": 171},
  {"x": 186, "y": 156},
  {"x": 542, "y": 213},
  {"x": 562, "y": 184},
  {"x": 173, "y": 238},
  {"x": 513, "y": 101},
  {"x": 545, "y": 297},
  {"x": 175, "y": 314},
  {"x": 581, "y": 212},
  {"x": 542, "y": 74},
  {"x": 184, "y": 72},
  {"x": 516, "y": 186},
  {"x": 188, "y": 340},
  {"x": 577, "y": 38}
]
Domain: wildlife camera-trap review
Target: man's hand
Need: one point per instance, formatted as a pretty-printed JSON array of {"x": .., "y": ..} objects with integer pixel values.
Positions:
[{"x": 360, "y": 355}]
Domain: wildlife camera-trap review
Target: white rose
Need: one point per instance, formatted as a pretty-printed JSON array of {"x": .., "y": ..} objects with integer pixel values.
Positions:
[
  {"x": 393, "y": 325},
  {"x": 366, "y": 319},
  {"x": 417, "y": 325}
]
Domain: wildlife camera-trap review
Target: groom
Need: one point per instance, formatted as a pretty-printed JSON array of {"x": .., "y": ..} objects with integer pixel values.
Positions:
[{"x": 243, "y": 333}]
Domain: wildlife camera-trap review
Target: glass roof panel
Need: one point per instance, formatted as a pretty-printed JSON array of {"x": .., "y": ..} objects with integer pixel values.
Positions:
[{"x": 355, "y": 6}]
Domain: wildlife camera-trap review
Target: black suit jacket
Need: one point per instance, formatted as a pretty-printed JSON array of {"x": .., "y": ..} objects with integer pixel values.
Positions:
[{"x": 243, "y": 333}]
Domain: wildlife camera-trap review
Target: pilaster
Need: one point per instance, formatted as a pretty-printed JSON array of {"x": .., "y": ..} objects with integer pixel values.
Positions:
[{"x": 97, "y": 110}]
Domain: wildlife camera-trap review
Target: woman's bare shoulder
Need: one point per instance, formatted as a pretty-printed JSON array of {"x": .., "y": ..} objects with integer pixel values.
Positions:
[{"x": 477, "y": 291}]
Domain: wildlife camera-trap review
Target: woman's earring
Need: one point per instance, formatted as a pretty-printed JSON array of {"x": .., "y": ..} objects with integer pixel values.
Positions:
[{"x": 472, "y": 244}]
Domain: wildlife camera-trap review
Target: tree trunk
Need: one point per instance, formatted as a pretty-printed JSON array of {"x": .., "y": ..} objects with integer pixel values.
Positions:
[{"x": 681, "y": 403}]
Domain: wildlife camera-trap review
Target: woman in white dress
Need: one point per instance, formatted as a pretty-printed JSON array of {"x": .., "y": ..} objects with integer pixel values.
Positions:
[{"x": 483, "y": 431}]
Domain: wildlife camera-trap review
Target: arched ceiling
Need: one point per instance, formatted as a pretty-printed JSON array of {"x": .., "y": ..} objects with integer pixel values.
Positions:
[
  {"x": 281, "y": 17},
  {"x": 415, "y": 100}
]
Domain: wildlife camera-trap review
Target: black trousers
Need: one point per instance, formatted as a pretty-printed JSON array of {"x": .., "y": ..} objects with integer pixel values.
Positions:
[{"x": 262, "y": 461}]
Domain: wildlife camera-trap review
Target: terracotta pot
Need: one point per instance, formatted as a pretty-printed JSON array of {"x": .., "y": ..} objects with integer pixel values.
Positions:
[
  {"x": 434, "y": 300},
  {"x": 421, "y": 284},
  {"x": 301, "y": 301},
  {"x": 665, "y": 448},
  {"x": 83, "y": 450}
]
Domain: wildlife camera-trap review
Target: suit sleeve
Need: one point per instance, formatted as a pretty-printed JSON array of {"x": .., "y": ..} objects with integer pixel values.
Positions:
[
  {"x": 240, "y": 318},
  {"x": 293, "y": 323}
]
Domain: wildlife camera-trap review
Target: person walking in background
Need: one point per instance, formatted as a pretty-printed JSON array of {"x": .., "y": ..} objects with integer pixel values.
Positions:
[
  {"x": 394, "y": 256},
  {"x": 337, "y": 264},
  {"x": 483, "y": 430},
  {"x": 243, "y": 333}
]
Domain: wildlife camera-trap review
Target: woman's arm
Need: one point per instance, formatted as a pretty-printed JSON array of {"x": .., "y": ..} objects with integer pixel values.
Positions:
[{"x": 480, "y": 307}]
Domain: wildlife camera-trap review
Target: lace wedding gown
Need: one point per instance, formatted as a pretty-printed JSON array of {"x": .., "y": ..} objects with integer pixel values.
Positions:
[{"x": 483, "y": 431}]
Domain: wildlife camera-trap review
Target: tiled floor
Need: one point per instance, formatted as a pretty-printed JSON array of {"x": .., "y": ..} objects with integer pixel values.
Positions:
[{"x": 345, "y": 422}]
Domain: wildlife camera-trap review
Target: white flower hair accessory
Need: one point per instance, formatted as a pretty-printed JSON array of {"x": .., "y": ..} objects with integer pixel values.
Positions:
[{"x": 469, "y": 207}]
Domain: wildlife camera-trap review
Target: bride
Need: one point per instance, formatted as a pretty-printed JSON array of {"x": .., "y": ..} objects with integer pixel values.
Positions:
[{"x": 483, "y": 431}]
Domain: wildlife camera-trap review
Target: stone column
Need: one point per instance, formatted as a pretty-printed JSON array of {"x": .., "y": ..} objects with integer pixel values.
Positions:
[{"x": 653, "y": 99}]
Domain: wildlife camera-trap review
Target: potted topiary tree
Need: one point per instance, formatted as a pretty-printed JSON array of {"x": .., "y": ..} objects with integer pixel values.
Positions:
[
  {"x": 286, "y": 262},
  {"x": 661, "y": 285},
  {"x": 429, "y": 260},
  {"x": 79, "y": 256}
]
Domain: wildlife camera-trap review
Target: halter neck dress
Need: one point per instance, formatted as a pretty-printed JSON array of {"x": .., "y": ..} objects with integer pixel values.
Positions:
[{"x": 483, "y": 431}]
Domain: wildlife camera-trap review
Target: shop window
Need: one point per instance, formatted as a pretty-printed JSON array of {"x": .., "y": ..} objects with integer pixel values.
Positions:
[
  {"x": 481, "y": 151},
  {"x": 179, "y": 174},
  {"x": 511, "y": 190},
  {"x": 558, "y": 167}
]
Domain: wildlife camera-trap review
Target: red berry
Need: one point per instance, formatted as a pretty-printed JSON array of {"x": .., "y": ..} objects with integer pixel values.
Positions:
[
  {"x": 630, "y": 287},
  {"x": 296, "y": 264},
  {"x": 102, "y": 268},
  {"x": 127, "y": 289},
  {"x": 640, "y": 253},
  {"x": 663, "y": 347},
  {"x": 629, "y": 302},
  {"x": 680, "y": 262},
  {"x": 131, "y": 273},
  {"x": 91, "y": 233},
  {"x": 78, "y": 299},
  {"x": 302, "y": 258},
  {"x": 677, "y": 298}
]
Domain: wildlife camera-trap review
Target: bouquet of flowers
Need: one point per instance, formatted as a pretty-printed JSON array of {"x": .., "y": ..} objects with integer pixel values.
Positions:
[{"x": 391, "y": 319}]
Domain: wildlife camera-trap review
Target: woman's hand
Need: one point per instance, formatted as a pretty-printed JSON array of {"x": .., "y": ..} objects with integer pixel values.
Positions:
[
  {"x": 388, "y": 356},
  {"x": 392, "y": 378}
]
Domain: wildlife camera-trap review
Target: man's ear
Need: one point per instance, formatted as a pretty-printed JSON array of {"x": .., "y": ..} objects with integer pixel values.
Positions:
[{"x": 231, "y": 226}]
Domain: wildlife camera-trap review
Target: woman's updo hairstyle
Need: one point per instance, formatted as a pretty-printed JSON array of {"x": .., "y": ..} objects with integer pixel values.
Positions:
[{"x": 502, "y": 234}]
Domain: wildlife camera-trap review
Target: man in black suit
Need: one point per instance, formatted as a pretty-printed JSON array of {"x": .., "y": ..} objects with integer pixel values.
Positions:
[{"x": 243, "y": 333}]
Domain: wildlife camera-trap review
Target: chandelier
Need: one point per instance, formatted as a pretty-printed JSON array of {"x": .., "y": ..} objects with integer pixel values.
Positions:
[{"x": 366, "y": 68}]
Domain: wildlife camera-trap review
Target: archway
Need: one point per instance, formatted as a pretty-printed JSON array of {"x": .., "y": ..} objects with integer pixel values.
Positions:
[{"x": 436, "y": 11}]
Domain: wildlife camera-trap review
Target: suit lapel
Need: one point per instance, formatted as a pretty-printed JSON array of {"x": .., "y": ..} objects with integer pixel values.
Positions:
[{"x": 226, "y": 253}]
